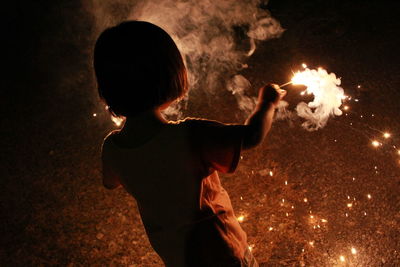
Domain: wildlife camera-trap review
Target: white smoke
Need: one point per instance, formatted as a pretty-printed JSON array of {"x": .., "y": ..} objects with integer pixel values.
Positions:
[
  {"x": 238, "y": 85},
  {"x": 204, "y": 31},
  {"x": 328, "y": 97}
]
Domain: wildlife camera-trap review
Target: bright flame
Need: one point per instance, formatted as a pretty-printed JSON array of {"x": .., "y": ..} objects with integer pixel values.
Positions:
[{"x": 328, "y": 97}]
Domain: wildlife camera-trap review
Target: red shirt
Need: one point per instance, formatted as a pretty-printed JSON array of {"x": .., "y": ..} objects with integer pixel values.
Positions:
[{"x": 186, "y": 212}]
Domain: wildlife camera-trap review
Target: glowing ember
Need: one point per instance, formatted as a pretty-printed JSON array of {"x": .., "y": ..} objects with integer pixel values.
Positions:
[
  {"x": 117, "y": 120},
  {"x": 375, "y": 143},
  {"x": 386, "y": 135}
]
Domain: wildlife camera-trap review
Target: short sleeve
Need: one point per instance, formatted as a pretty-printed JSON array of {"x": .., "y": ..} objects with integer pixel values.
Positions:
[{"x": 219, "y": 145}]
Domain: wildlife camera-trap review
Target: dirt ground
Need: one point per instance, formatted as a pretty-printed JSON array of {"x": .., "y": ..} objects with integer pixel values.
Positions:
[{"x": 324, "y": 198}]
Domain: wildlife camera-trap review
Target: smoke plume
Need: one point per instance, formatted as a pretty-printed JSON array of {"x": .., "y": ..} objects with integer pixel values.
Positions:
[
  {"x": 328, "y": 96},
  {"x": 204, "y": 31}
]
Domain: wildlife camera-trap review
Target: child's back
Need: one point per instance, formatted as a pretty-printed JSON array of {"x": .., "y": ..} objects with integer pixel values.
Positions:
[{"x": 186, "y": 212}]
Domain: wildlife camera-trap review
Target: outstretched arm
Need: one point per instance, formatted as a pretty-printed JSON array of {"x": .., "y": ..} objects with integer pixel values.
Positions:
[{"x": 259, "y": 122}]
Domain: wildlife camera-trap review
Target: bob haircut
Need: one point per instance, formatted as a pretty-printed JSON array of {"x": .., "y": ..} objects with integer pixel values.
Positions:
[{"x": 138, "y": 68}]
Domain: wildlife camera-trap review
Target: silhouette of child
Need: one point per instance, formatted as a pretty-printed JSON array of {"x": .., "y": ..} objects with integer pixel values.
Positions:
[{"x": 171, "y": 168}]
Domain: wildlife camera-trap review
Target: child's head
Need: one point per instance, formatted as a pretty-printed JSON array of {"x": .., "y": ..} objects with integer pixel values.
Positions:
[{"x": 138, "y": 68}]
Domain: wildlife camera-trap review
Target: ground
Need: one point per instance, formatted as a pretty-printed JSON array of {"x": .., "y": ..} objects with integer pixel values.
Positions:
[{"x": 323, "y": 198}]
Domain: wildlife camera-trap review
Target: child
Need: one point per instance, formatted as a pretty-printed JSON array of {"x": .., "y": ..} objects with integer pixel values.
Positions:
[{"x": 170, "y": 168}]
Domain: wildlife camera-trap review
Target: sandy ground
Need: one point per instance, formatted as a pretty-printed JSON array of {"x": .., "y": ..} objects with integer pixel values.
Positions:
[{"x": 332, "y": 199}]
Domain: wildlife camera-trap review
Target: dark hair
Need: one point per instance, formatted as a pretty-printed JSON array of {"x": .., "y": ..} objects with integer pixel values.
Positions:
[{"x": 138, "y": 67}]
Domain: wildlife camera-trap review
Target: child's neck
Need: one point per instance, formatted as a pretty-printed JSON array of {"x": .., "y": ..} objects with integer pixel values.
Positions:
[{"x": 151, "y": 119}]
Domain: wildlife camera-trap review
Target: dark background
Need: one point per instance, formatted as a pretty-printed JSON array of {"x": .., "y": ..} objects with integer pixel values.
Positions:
[{"x": 54, "y": 210}]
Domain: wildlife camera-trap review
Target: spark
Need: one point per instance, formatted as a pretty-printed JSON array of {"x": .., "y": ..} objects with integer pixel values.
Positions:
[
  {"x": 342, "y": 258},
  {"x": 349, "y": 205},
  {"x": 271, "y": 173},
  {"x": 305, "y": 199},
  {"x": 353, "y": 251},
  {"x": 311, "y": 243},
  {"x": 375, "y": 143},
  {"x": 369, "y": 196},
  {"x": 386, "y": 135},
  {"x": 358, "y": 86},
  {"x": 94, "y": 114},
  {"x": 304, "y": 65},
  {"x": 285, "y": 182},
  {"x": 398, "y": 151},
  {"x": 270, "y": 228},
  {"x": 251, "y": 247},
  {"x": 240, "y": 218},
  {"x": 346, "y": 107},
  {"x": 324, "y": 220},
  {"x": 117, "y": 120}
]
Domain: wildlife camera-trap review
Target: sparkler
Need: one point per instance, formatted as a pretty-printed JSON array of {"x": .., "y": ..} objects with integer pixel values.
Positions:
[{"x": 328, "y": 96}]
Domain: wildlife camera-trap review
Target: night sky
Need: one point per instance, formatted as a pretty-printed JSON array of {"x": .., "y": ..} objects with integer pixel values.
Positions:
[{"x": 323, "y": 198}]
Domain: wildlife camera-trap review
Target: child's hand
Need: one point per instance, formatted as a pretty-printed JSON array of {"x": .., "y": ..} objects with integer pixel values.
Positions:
[{"x": 271, "y": 93}]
